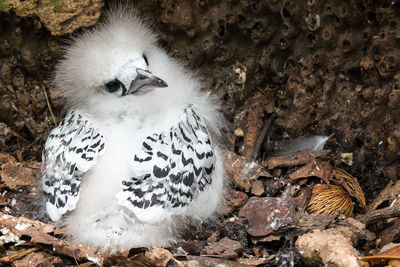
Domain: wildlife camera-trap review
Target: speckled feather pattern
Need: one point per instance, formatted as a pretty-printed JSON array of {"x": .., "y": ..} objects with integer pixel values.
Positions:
[
  {"x": 172, "y": 167},
  {"x": 71, "y": 150}
]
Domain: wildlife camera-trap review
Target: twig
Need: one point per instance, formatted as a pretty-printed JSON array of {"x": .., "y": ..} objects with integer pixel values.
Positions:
[
  {"x": 77, "y": 264},
  {"x": 18, "y": 255},
  {"x": 17, "y": 135},
  {"x": 294, "y": 159},
  {"x": 49, "y": 106},
  {"x": 379, "y": 215},
  {"x": 31, "y": 144},
  {"x": 261, "y": 137}
]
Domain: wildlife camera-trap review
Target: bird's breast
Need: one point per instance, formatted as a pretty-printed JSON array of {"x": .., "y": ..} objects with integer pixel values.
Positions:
[{"x": 123, "y": 139}]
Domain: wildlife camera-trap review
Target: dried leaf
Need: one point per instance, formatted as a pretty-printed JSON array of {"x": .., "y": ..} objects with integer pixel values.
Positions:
[
  {"x": 37, "y": 230},
  {"x": 330, "y": 199},
  {"x": 242, "y": 171},
  {"x": 193, "y": 247},
  {"x": 40, "y": 233},
  {"x": 315, "y": 168},
  {"x": 39, "y": 259},
  {"x": 124, "y": 259},
  {"x": 235, "y": 199},
  {"x": 266, "y": 215},
  {"x": 393, "y": 251},
  {"x": 257, "y": 188},
  {"x": 225, "y": 248},
  {"x": 15, "y": 175},
  {"x": 4, "y": 158},
  {"x": 78, "y": 251},
  {"x": 158, "y": 257},
  {"x": 389, "y": 234},
  {"x": 391, "y": 192},
  {"x": 383, "y": 257}
]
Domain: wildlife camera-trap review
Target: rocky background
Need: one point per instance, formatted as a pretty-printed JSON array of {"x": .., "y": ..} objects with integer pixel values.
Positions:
[{"x": 299, "y": 68}]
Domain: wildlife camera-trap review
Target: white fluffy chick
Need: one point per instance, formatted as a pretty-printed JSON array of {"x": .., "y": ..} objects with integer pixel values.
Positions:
[{"x": 135, "y": 158}]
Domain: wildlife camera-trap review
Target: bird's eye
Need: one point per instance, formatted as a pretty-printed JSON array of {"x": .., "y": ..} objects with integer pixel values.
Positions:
[
  {"x": 115, "y": 86},
  {"x": 146, "y": 60}
]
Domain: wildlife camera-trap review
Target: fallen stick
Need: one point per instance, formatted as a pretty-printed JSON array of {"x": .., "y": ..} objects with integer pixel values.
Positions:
[
  {"x": 21, "y": 253},
  {"x": 261, "y": 137},
  {"x": 294, "y": 159},
  {"x": 375, "y": 216}
]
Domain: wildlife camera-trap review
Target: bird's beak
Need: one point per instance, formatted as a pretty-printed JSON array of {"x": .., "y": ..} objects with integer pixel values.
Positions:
[{"x": 144, "y": 80}]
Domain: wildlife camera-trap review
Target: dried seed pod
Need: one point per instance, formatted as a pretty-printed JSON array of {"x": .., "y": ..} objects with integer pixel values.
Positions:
[
  {"x": 265, "y": 59},
  {"x": 242, "y": 24},
  {"x": 313, "y": 4},
  {"x": 326, "y": 198},
  {"x": 220, "y": 29},
  {"x": 394, "y": 100},
  {"x": 388, "y": 65},
  {"x": 191, "y": 32},
  {"x": 384, "y": 14},
  {"x": 311, "y": 40},
  {"x": 327, "y": 33},
  {"x": 336, "y": 61},
  {"x": 260, "y": 31},
  {"x": 205, "y": 24},
  {"x": 393, "y": 144},
  {"x": 394, "y": 27},
  {"x": 337, "y": 22},
  {"x": 367, "y": 34},
  {"x": 313, "y": 22},
  {"x": 231, "y": 18},
  {"x": 377, "y": 50},
  {"x": 351, "y": 185},
  {"x": 283, "y": 43},
  {"x": 328, "y": 9},
  {"x": 208, "y": 46},
  {"x": 274, "y": 5},
  {"x": 290, "y": 8},
  {"x": 343, "y": 10},
  {"x": 288, "y": 29},
  {"x": 371, "y": 16},
  {"x": 318, "y": 58},
  {"x": 348, "y": 42},
  {"x": 396, "y": 82},
  {"x": 201, "y": 3},
  {"x": 383, "y": 36}
]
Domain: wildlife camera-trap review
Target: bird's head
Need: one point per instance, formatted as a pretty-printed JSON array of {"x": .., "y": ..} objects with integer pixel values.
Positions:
[{"x": 117, "y": 63}]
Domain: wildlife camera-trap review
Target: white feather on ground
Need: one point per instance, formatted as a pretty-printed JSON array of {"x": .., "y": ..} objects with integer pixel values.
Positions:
[{"x": 313, "y": 143}]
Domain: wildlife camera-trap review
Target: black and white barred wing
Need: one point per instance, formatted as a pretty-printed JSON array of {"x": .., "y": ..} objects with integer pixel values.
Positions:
[
  {"x": 171, "y": 170},
  {"x": 70, "y": 150}
]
